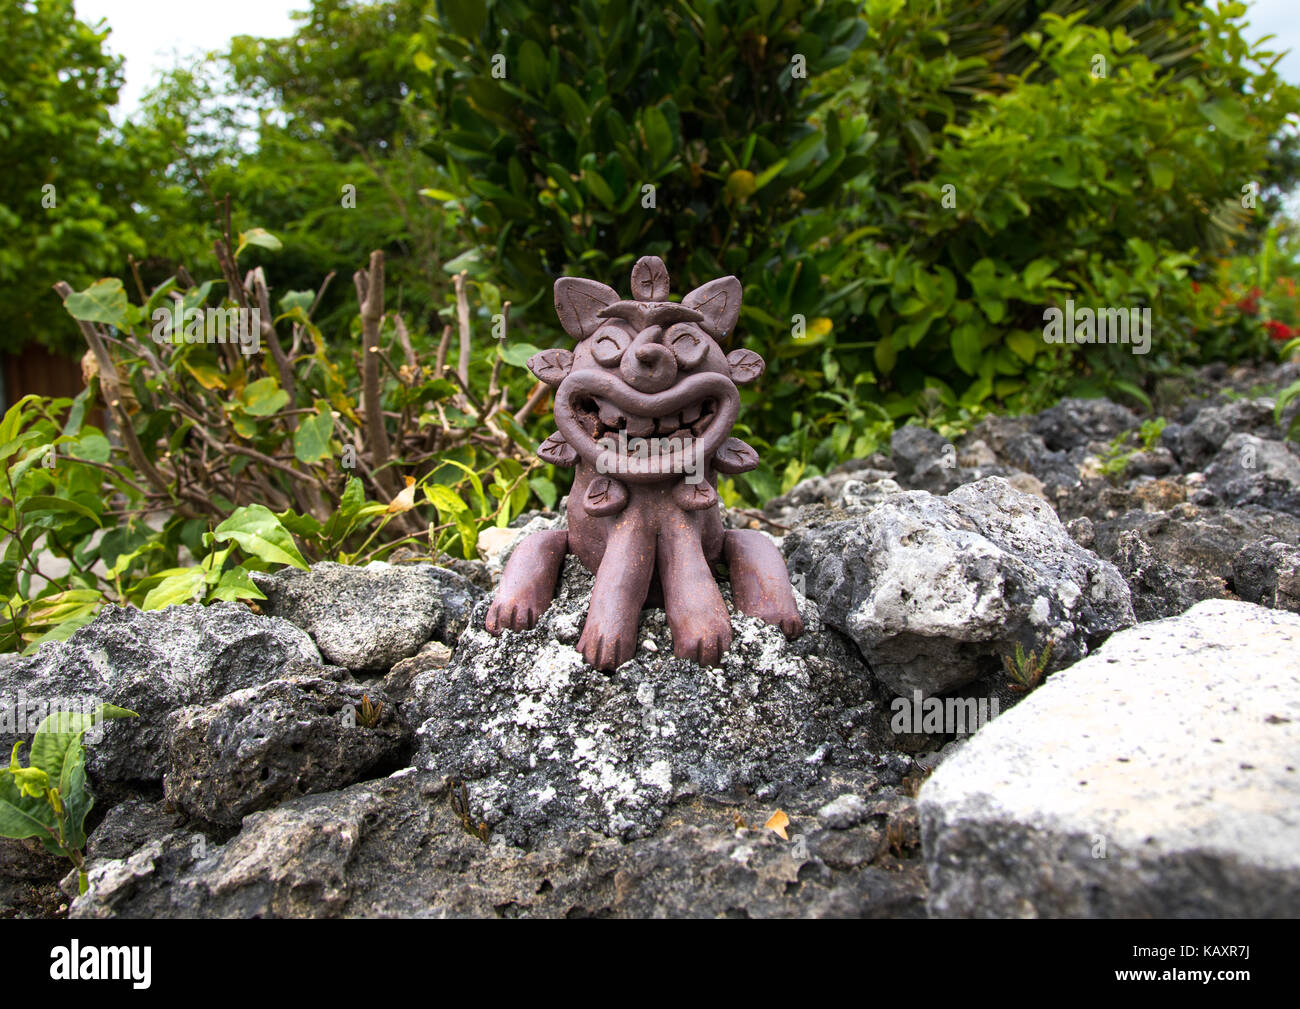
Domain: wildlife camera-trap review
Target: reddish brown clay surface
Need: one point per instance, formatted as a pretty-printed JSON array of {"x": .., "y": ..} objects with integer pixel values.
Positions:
[{"x": 644, "y": 406}]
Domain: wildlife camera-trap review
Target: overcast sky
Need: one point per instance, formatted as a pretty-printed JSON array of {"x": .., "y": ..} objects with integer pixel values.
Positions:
[{"x": 151, "y": 34}]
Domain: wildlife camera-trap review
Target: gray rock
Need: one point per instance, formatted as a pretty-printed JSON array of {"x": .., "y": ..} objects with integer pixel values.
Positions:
[
  {"x": 829, "y": 490},
  {"x": 152, "y": 663},
  {"x": 934, "y": 590},
  {"x": 549, "y": 744},
  {"x": 1173, "y": 560},
  {"x": 370, "y": 618},
  {"x": 1268, "y": 573},
  {"x": 924, "y": 459},
  {"x": 259, "y": 746},
  {"x": 1159, "y": 777},
  {"x": 1076, "y": 423},
  {"x": 130, "y": 825},
  {"x": 395, "y": 847},
  {"x": 1203, "y": 427},
  {"x": 1254, "y": 471},
  {"x": 846, "y": 811},
  {"x": 434, "y": 655}
]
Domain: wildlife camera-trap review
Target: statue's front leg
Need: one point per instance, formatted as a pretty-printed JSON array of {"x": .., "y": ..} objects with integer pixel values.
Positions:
[
  {"x": 760, "y": 584},
  {"x": 528, "y": 583},
  {"x": 697, "y": 614},
  {"x": 622, "y": 582}
]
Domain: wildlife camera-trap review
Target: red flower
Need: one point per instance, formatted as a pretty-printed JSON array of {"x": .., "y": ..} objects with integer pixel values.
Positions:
[
  {"x": 1280, "y": 330},
  {"x": 1196, "y": 288},
  {"x": 1250, "y": 304}
]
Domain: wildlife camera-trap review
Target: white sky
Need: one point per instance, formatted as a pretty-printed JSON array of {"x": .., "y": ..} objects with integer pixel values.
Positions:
[{"x": 152, "y": 34}]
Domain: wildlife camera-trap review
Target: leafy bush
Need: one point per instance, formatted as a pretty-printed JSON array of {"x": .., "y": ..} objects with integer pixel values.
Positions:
[
  {"x": 49, "y": 799},
  {"x": 231, "y": 462}
]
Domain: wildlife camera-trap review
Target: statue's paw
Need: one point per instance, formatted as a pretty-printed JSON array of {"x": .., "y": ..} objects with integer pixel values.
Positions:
[
  {"x": 605, "y": 649},
  {"x": 703, "y": 642},
  {"x": 510, "y": 615},
  {"x": 782, "y": 615}
]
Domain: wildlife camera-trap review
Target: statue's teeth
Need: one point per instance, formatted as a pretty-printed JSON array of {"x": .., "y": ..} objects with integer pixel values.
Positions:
[
  {"x": 640, "y": 427},
  {"x": 610, "y": 415},
  {"x": 691, "y": 414}
]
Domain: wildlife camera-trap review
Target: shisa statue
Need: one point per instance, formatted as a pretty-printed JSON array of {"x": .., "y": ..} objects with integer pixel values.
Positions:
[{"x": 644, "y": 407}]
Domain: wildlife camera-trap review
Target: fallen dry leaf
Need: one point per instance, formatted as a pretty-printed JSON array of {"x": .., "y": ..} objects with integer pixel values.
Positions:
[
  {"x": 405, "y": 500},
  {"x": 778, "y": 822}
]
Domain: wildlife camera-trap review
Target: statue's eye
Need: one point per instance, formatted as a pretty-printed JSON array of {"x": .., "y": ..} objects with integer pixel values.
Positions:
[
  {"x": 687, "y": 344},
  {"x": 608, "y": 344}
]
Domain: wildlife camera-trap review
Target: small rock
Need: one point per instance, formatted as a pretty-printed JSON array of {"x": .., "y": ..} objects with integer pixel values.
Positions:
[
  {"x": 259, "y": 746},
  {"x": 934, "y": 590},
  {"x": 370, "y": 618},
  {"x": 846, "y": 811}
]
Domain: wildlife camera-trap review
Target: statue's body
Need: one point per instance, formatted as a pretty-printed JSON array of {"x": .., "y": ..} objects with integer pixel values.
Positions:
[{"x": 645, "y": 406}]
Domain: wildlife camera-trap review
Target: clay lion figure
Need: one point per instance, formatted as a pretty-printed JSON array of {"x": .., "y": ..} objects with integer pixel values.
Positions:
[{"x": 644, "y": 407}]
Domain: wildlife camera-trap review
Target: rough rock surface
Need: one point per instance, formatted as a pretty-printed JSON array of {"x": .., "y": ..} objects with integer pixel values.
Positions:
[
  {"x": 1254, "y": 471},
  {"x": 259, "y": 746},
  {"x": 1173, "y": 560},
  {"x": 548, "y": 743},
  {"x": 396, "y": 847},
  {"x": 370, "y": 618},
  {"x": 1159, "y": 777},
  {"x": 153, "y": 663},
  {"x": 1203, "y": 428},
  {"x": 934, "y": 590}
]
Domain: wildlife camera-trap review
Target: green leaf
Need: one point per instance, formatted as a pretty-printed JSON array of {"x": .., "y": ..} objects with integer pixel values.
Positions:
[
  {"x": 1227, "y": 117},
  {"x": 466, "y": 18},
  {"x": 264, "y": 397},
  {"x": 186, "y": 586},
  {"x": 598, "y": 187},
  {"x": 658, "y": 135},
  {"x": 22, "y": 816},
  {"x": 1161, "y": 167},
  {"x": 1023, "y": 344},
  {"x": 47, "y": 503},
  {"x": 236, "y": 584},
  {"x": 575, "y": 109},
  {"x": 103, "y": 301},
  {"x": 259, "y": 533},
  {"x": 966, "y": 347},
  {"x": 311, "y": 442},
  {"x": 545, "y": 490},
  {"x": 446, "y": 500},
  {"x": 259, "y": 237},
  {"x": 534, "y": 69},
  {"x": 517, "y": 354}
]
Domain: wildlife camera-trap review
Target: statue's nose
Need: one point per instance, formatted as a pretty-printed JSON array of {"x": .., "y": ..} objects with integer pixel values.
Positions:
[{"x": 649, "y": 366}]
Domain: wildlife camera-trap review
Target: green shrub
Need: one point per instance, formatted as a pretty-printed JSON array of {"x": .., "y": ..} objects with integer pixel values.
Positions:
[
  {"x": 49, "y": 799},
  {"x": 228, "y": 462}
]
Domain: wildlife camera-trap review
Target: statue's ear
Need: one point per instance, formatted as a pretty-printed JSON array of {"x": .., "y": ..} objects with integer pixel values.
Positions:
[
  {"x": 577, "y": 301},
  {"x": 719, "y": 302}
]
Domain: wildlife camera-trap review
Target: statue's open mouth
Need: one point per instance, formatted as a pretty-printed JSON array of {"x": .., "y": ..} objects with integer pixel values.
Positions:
[{"x": 645, "y": 437}]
